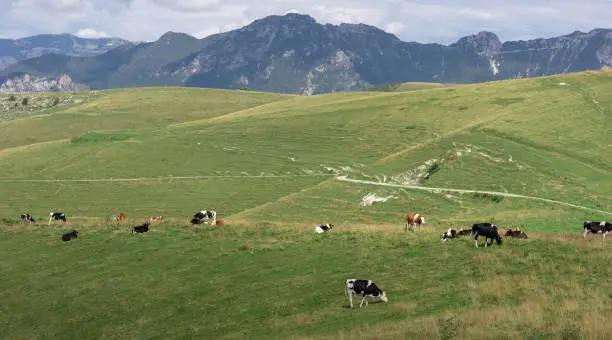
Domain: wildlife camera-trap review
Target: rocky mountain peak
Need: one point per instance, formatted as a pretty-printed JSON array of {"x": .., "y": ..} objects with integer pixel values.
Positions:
[{"x": 484, "y": 43}]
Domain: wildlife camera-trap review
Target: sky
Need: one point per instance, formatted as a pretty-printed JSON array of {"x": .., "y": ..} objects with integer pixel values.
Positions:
[{"x": 439, "y": 21}]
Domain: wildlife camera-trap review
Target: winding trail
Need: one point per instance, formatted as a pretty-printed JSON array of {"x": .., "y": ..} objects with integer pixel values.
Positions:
[{"x": 432, "y": 189}]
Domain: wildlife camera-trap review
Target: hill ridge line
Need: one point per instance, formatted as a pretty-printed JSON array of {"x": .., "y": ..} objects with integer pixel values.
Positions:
[
  {"x": 256, "y": 110},
  {"x": 433, "y": 189}
]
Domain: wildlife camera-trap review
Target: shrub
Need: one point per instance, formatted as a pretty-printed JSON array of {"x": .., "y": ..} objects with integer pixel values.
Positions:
[
  {"x": 24, "y": 101},
  {"x": 492, "y": 197},
  {"x": 12, "y": 98}
]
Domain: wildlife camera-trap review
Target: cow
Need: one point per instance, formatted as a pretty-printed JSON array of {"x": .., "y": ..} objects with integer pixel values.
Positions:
[
  {"x": 121, "y": 217},
  {"x": 518, "y": 233},
  {"x": 464, "y": 232},
  {"x": 323, "y": 228},
  {"x": 413, "y": 219},
  {"x": 70, "y": 236},
  {"x": 451, "y": 233},
  {"x": 597, "y": 228},
  {"x": 364, "y": 288},
  {"x": 140, "y": 229},
  {"x": 156, "y": 218},
  {"x": 57, "y": 216},
  {"x": 27, "y": 218},
  {"x": 488, "y": 230},
  {"x": 205, "y": 216}
]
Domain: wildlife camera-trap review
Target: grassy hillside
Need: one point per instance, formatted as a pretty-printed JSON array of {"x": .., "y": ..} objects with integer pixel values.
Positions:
[{"x": 267, "y": 163}]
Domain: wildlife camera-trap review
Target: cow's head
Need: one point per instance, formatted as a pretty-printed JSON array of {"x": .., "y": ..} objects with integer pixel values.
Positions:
[{"x": 383, "y": 297}]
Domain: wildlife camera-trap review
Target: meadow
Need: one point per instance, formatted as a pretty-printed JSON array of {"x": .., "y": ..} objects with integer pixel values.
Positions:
[{"x": 268, "y": 164}]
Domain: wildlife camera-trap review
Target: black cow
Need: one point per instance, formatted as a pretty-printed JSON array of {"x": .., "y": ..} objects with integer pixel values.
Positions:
[
  {"x": 27, "y": 218},
  {"x": 57, "y": 216},
  {"x": 518, "y": 233},
  {"x": 70, "y": 236},
  {"x": 488, "y": 230},
  {"x": 324, "y": 228},
  {"x": 365, "y": 288},
  {"x": 141, "y": 228},
  {"x": 451, "y": 233},
  {"x": 597, "y": 228}
]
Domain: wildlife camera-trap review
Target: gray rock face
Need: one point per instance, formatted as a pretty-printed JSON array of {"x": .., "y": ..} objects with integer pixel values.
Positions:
[
  {"x": 26, "y": 83},
  {"x": 295, "y": 54}
]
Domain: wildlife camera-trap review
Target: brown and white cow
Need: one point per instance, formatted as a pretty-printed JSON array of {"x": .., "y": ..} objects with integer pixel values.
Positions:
[{"x": 414, "y": 219}]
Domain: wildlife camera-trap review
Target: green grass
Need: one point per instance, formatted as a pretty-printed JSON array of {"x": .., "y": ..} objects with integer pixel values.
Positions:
[
  {"x": 265, "y": 281},
  {"x": 265, "y": 162}
]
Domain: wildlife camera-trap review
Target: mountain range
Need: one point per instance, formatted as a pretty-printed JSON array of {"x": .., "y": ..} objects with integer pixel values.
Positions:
[{"x": 291, "y": 53}]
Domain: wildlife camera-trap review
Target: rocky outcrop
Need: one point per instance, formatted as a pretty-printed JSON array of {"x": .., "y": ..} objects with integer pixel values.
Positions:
[{"x": 27, "y": 83}]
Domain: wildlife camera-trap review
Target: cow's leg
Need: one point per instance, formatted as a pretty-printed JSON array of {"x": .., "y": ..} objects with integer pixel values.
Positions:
[
  {"x": 476, "y": 240},
  {"x": 50, "y": 218},
  {"x": 350, "y": 294},
  {"x": 586, "y": 231},
  {"x": 362, "y": 301}
]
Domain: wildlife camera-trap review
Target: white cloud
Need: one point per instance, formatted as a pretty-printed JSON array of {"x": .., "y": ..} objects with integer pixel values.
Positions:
[
  {"x": 394, "y": 27},
  {"x": 442, "y": 21},
  {"x": 91, "y": 33}
]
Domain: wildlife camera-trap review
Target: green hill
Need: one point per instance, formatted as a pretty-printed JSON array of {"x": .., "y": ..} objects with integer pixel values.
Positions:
[{"x": 267, "y": 163}]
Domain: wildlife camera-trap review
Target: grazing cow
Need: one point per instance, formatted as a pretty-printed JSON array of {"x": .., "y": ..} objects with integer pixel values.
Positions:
[
  {"x": 464, "y": 232},
  {"x": 57, "y": 216},
  {"x": 205, "y": 216},
  {"x": 413, "y": 219},
  {"x": 597, "y": 228},
  {"x": 140, "y": 229},
  {"x": 70, "y": 236},
  {"x": 364, "y": 288},
  {"x": 451, "y": 233},
  {"x": 324, "y": 228},
  {"x": 156, "y": 218},
  {"x": 27, "y": 218},
  {"x": 488, "y": 230},
  {"x": 518, "y": 233}
]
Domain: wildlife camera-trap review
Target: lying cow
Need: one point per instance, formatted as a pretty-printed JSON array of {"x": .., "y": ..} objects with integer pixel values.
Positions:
[
  {"x": 366, "y": 289},
  {"x": 204, "y": 216},
  {"x": 518, "y": 233},
  {"x": 27, "y": 218},
  {"x": 451, "y": 233},
  {"x": 464, "y": 232},
  {"x": 413, "y": 219},
  {"x": 141, "y": 228},
  {"x": 597, "y": 228},
  {"x": 57, "y": 216},
  {"x": 156, "y": 218},
  {"x": 70, "y": 236},
  {"x": 488, "y": 230},
  {"x": 324, "y": 228}
]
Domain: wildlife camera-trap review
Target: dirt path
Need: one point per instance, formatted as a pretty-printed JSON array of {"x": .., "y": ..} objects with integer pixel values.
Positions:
[{"x": 505, "y": 194}]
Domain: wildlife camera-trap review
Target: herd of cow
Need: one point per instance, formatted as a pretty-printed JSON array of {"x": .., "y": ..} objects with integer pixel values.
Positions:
[
  {"x": 366, "y": 289},
  {"x": 201, "y": 217}
]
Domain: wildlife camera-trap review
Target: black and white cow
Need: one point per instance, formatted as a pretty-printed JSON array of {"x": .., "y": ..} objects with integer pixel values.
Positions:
[
  {"x": 451, "y": 233},
  {"x": 204, "y": 216},
  {"x": 57, "y": 216},
  {"x": 366, "y": 289},
  {"x": 140, "y": 229},
  {"x": 324, "y": 228},
  {"x": 27, "y": 218},
  {"x": 597, "y": 228},
  {"x": 70, "y": 236},
  {"x": 488, "y": 230},
  {"x": 464, "y": 232}
]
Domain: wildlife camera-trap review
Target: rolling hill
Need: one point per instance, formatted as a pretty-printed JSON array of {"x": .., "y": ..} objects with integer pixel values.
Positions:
[{"x": 272, "y": 165}]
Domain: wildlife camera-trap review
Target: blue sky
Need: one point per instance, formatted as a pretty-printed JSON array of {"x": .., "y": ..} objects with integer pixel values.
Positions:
[{"x": 441, "y": 21}]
